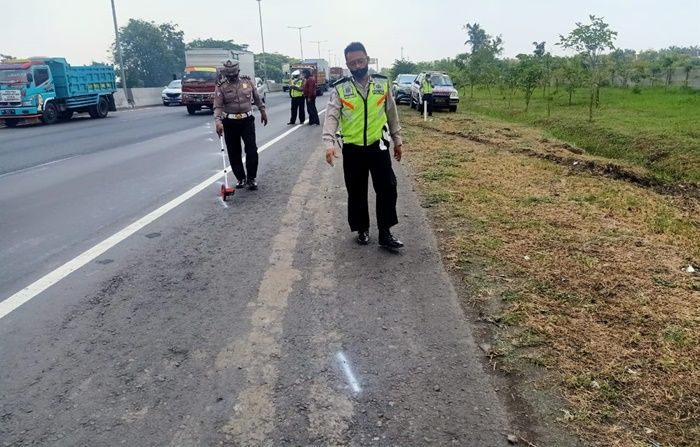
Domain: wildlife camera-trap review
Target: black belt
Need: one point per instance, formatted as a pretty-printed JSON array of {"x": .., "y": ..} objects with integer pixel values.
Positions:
[{"x": 237, "y": 116}]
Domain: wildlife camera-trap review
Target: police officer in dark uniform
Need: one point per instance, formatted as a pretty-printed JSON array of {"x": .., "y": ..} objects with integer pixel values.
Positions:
[{"x": 233, "y": 114}]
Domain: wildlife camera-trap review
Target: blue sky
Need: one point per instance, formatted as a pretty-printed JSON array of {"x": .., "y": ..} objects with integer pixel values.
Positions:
[{"x": 82, "y": 30}]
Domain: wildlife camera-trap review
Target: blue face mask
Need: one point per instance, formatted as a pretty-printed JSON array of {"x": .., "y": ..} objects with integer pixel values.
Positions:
[{"x": 360, "y": 72}]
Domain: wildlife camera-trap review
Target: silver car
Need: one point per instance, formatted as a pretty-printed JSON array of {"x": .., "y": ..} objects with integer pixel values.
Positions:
[
  {"x": 401, "y": 88},
  {"x": 172, "y": 93}
]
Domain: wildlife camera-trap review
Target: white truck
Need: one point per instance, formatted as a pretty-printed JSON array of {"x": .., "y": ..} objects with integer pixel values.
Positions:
[{"x": 202, "y": 73}]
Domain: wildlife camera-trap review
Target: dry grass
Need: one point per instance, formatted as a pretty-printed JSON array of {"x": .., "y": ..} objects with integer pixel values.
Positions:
[{"x": 582, "y": 272}]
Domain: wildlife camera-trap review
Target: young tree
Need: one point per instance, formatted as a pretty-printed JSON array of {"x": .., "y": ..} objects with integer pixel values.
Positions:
[
  {"x": 572, "y": 72},
  {"x": 529, "y": 75},
  {"x": 481, "y": 61},
  {"x": 545, "y": 60},
  {"x": 591, "y": 41},
  {"x": 621, "y": 65}
]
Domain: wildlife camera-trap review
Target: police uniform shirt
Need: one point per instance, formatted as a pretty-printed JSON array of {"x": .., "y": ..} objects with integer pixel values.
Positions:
[{"x": 235, "y": 97}]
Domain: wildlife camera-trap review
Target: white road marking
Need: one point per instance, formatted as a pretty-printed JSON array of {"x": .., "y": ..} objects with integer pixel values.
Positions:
[
  {"x": 345, "y": 365},
  {"x": 43, "y": 283},
  {"x": 38, "y": 166}
]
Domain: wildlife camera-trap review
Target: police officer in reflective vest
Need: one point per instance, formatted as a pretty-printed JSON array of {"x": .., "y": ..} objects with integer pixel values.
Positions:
[
  {"x": 296, "y": 92},
  {"x": 426, "y": 90},
  {"x": 365, "y": 111},
  {"x": 233, "y": 115}
]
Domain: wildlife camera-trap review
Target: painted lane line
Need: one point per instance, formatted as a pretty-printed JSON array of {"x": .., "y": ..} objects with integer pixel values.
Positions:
[
  {"x": 345, "y": 365},
  {"x": 19, "y": 171},
  {"x": 43, "y": 283}
]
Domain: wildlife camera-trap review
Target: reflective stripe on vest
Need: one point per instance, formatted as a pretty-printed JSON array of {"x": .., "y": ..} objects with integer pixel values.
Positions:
[
  {"x": 295, "y": 93},
  {"x": 426, "y": 88},
  {"x": 362, "y": 120}
]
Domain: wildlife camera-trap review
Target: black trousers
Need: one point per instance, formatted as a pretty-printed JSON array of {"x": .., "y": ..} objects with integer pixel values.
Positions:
[
  {"x": 428, "y": 97},
  {"x": 234, "y": 132},
  {"x": 311, "y": 108},
  {"x": 358, "y": 163},
  {"x": 298, "y": 104}
]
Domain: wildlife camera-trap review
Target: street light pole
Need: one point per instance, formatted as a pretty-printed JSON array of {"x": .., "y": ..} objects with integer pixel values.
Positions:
[
  {"x": 262, "y": 40},
  {"x": 318, "y": 42},
  {"x": 127, "y": 93},
  {"x": 301, "y": 47}
]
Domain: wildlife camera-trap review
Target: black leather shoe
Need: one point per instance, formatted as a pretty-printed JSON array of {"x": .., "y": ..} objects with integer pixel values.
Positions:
[
  {"x": 252, "y": 184},
  {"x": 386, "y": 239},
  {"x": 241, "y": 184},
  {"x": 363, "y": 237},
  {"x": 290, "y": 124}
]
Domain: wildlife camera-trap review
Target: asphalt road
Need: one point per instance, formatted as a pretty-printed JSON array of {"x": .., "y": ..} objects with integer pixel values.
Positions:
[{"x": 257, "y": 323}]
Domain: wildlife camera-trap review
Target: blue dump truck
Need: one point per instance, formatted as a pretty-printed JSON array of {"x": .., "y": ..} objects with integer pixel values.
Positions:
[{"x": 50, "y": 89}]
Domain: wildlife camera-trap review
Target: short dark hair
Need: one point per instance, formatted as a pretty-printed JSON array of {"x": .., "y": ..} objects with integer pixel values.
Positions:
[
  {"x": 307, "y": 72},
  {"x": 355, "y": 46}
]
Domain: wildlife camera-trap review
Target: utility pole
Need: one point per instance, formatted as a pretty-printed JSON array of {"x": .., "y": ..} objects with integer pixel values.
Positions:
[
  {"x": 318, "y": 42},
  {"x": 262, "y": 40},
  {"x": 401, "y": 53},
  {"x": 127, "y": 92},
  {"x": 301, "y": 47}
]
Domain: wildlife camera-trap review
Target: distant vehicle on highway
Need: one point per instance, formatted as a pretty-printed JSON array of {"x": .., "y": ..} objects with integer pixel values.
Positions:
[
  {"x": 445, "y": 95},
  {"x": 201, "y": 74},
  {"x": 401, "y": 88},
  {"x": 172, "y": 93}
]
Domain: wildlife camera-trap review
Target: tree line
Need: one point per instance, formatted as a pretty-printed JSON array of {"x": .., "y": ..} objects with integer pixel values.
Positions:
[
  {"x": 597, "y": 62},
  {"x": 154, "y": 54}
]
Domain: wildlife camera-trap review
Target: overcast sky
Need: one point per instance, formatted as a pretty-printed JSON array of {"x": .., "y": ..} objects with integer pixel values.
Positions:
[{"x": 82, "y": 30}]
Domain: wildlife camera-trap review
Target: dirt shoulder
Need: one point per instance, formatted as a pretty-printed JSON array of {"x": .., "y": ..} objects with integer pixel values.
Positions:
[{"x": 576, "y": 269}]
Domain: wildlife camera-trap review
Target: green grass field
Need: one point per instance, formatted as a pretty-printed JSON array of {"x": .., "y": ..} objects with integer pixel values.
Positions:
[{"x": 655, "y": 129}]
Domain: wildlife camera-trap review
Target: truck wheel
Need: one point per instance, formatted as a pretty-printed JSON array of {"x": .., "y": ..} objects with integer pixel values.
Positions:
[
  {"x": 191, "y": 110},
  {"x": 50, "y": 115},
  {"x": 453, "y": 109},
  {"x": 65, "y": 115},
  {"x": 11, "y": 123},
  {"x": 102, "y": 107},
  {"x": 100, "y": 110}
]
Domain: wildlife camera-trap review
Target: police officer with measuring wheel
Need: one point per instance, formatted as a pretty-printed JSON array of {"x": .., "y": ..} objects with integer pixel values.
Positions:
[
  {"x": 233, "y": 114},
  {"x": 364, "y": 109}
]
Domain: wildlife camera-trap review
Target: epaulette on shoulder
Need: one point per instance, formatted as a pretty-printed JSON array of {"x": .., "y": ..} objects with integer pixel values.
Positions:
[
  {"x": 221, "y": 82},
  {"x": 246, "y": 77},
  {"x": 378, "y": 76},
  {"x": 341, "y": 81}
]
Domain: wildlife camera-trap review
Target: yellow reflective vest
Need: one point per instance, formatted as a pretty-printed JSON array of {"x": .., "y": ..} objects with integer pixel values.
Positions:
[
  {"x": 426, "y": 87},
  {"x": 362, "y": 120},
  {"x": 295, "y": 93}
]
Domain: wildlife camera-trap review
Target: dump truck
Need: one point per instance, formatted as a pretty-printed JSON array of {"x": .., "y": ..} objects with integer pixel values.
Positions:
[
  {"x": 202, "y": 72},
  {"x": 50, "y": 89},
  {"x": 318, "y": 68}
]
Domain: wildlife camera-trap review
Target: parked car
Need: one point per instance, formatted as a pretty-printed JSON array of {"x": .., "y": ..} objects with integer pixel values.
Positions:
[
  {"x": 172, "y": 93},
  {"x": 401, "y": 88},
  {"x": 445, "y": 95}
]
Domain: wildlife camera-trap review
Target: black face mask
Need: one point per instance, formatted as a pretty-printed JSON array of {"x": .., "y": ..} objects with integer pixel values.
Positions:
[
  {"x": 360, "y": 72},
  {"x": 232, "y": 76}
]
